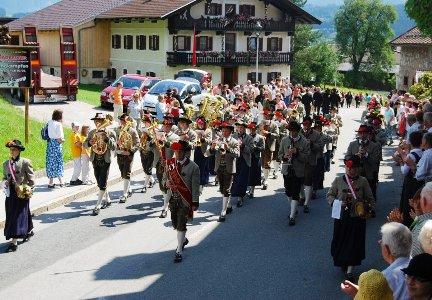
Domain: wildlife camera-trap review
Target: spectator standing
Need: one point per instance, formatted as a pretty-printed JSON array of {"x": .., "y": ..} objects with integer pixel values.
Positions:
[
  {"x": 419, "y": 277},
  {"x": 54, "y": 154},
  {"x": 161, "y": 108},
  {"x": 76, "y": 146},
  {"x": 135, "y": 108},
  {"x": 389, "y": 122},
  {"x": 117, "y": 97},
  {"x": 396, "y": 241}
]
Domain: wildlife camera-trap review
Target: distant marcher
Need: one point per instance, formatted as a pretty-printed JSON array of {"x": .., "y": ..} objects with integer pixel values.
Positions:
[
  {"x": 18, "y": 183},
  {"x": 54, "y": 153}
]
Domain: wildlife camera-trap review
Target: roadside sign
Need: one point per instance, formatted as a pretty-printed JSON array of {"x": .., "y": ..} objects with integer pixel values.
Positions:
[{"x": 15, "y": 67}]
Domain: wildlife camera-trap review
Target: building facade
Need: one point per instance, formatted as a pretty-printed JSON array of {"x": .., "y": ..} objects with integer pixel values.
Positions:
[
  {"x": 227, "y": 34},
  {"x": 414, "y": 57},
  {"x": 157, "y": 37}
]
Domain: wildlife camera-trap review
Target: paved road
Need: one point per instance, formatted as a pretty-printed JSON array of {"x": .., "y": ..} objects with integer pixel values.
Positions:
[{"x": 126, "y": 251}]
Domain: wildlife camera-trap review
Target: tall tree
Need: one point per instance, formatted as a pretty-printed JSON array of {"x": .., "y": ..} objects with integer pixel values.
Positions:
[
  {"x": 363, "y": 33},
  {"x": 421, "y": 12}
]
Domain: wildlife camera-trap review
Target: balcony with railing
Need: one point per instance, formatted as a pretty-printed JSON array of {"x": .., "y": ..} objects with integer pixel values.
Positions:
[
  {"x": 229, "y": 58},
  {"x": 235, "y": 23}
]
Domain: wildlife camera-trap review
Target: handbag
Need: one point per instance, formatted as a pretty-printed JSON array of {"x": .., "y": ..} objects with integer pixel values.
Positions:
[
  {"x": 23, "y": 191},
  {"x": 361, "y": 209}
]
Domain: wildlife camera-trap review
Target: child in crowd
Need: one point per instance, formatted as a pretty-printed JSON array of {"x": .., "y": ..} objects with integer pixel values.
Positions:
[
  {"x": 85, "y": 157},
  {"x": 76, "y": 144},
  {"x": 175, "y": 110}
]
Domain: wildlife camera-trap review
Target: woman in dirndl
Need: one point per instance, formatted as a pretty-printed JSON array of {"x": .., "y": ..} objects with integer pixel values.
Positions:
[
  {"x": 349, "y": 231},
  {"x": 18, "y": 172},
  {"x": 204, "y": 139},
  {"x": 54, "y": 154}
]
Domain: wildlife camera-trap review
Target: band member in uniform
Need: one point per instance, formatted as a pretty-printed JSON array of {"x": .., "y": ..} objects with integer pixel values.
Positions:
[
  {"x": 316, "y": 146},
  {"x": 165, "y": 152},
  {"x": 369, "y": 154},
  {"x": 182, "y": 179},
  {"x": 18, "y": 183},
  {"x": 243, "y": 163},
  {"x": 226, "y": 150},
  {"x": 349, "y": 232},
  {"x": 102, "y": 142},
  {"x": 294, "y": 151},
  {"x": 282, "y": 125},
  {"x": 258, "y": 145},
  {"x": 270, "y": 131},
  {"x": 127, "y": 145},
  {"x": 185, "y": 133},
  {"x": 204, "y": 139},
  {"x": 318, "y": 175},
  {"x": 147, "y": 145}
]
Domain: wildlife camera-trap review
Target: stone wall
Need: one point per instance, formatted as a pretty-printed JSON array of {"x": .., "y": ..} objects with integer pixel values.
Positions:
[{"x": 412, "y": 59}]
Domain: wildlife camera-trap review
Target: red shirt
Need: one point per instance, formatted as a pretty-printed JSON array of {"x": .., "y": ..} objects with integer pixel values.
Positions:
[{"x": 175, "y": 111}]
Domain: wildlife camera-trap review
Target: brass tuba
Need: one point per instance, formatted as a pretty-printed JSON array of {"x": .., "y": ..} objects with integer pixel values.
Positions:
[
  {"x": 99, "y": 145},
  {"x": 125, "y": 138}
]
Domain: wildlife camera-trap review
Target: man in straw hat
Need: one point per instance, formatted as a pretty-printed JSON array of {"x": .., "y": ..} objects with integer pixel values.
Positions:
[
  {"x": 182, "y": 179},
  {"x": 101, "y": 161}
]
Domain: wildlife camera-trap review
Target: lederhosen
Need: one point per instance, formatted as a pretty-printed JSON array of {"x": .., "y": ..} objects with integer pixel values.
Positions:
[
  {"x": 125, "y": 164},
  {"x": 160, "y": 169},
  {"x": 101, "y": 171},
  {"x": 147, "y": 158},
  {"x": 225, "y": 178},
  {"x": 179, "y": 211}
]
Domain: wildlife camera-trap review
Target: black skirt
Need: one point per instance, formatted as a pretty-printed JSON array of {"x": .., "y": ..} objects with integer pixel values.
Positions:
[
  {"x": 255, "y": 172},
  {"x": 18, "y": 218},
  {"x": 348, "y": 244},
  {"x": 203, "y": 164},
  {"x": 318, "y": 175}
]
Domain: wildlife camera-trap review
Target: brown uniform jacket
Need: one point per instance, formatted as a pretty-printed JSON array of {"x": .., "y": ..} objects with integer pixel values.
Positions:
[
  {"x": 231, "y": 155},
  {"x": 272, "y": 136},
  {"x": 245, "y": 147},
  {"x": 135, "y": 139},
  {"x": 24, "y": 172},
  {"x": 316, "y": 144},
  {"x": 112, "y": 144},
  {"x": 339, "y": 190},
  {"x": 299, "y": 159},
  {"x": 370, "y": 164}
]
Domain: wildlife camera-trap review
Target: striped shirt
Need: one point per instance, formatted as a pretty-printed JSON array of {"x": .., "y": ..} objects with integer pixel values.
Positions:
[{"x": 416, "y": 228}]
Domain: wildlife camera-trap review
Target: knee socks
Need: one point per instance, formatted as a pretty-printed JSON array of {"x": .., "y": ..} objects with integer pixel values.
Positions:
[
  {"x": 166, "y": 200},
  {"x": 224, "y": 205},
  {"x": 100, "y": 196},
  {"x": 126, "y": 187},
  {"x": 181, "y": 236},
  {"x": 294, "y": 204},
  {"x": 308, "y": 194},
  {"x": 266, "y": 175}
]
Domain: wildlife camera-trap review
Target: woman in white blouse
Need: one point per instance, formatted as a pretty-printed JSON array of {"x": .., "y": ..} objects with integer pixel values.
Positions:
[{"x": 54, "y": 153}]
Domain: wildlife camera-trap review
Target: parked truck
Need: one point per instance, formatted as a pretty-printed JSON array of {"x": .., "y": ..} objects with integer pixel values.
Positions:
[{"x": 46, "y": 87}]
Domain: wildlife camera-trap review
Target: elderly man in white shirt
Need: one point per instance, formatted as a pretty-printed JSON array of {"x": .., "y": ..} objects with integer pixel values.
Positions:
[
  {"x": 424, "y": 166},
  {"x": 396, "y": 243}
]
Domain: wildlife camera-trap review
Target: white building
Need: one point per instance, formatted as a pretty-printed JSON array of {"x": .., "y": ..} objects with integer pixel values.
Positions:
[{"x": 226, "y": 35}]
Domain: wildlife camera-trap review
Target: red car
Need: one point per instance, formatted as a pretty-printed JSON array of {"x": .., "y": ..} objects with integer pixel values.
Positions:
[{"x": 131, "y": 82}]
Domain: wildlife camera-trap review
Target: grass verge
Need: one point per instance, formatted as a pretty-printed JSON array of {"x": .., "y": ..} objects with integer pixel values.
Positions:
[
  {"x": 12, "y": 127},
  {"x": 90, "y": 93}
]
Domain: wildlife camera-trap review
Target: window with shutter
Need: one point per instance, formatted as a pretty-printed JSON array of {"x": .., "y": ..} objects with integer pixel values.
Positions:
[
  {"x": 116, "y": 41},
  {"x": 280, "y": 44},
  {"x": 230, "y": 10},
  {"x": 154, "y": 42},
  {"x": 140, "y": 42},
  {"x": 181, "y": 43},
  {"x": 213, "y": 9},
  {"x": 204, "y": 43},
  {"x": 274, "y": 44},
  {"x": 247, "y": 10},
  {"x": 128, "y": 42}
]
